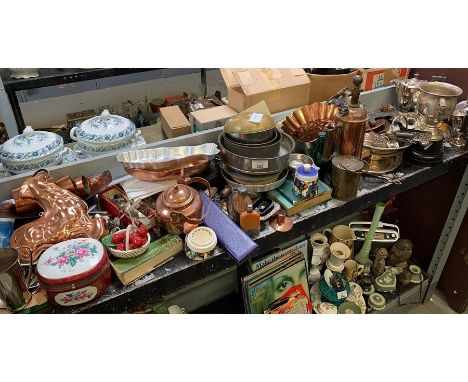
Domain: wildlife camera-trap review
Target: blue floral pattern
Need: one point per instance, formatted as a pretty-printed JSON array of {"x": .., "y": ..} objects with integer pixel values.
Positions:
[
  {"x": 93, "y": 130},
  {"x": 102, "y": 148},
  {"x": 9, "y": 152},
  {"x": 17, "y": 168}
]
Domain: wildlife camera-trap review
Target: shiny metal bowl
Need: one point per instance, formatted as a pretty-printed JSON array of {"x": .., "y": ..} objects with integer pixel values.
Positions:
[{"x": 266, "y": 150}]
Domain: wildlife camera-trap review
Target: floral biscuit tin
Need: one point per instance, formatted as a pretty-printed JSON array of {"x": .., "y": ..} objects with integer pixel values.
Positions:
[{"x": 74, "y": 272}]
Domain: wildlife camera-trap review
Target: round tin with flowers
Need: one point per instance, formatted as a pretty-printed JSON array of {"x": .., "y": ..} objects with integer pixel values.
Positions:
[
  {"x": 200, "y": 243},
  {"x": 305, "y": 184},
  {"x": 74, "y": 272}
]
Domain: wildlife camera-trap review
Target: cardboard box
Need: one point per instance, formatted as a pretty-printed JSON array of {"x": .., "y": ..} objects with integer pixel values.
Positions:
[
  {"x": 377, "y": 78},
  {"x": 206, "y": 119},
  {"x": 173, "y": 122},
  {"x": 324, "y": 86},
  {"x": 281, "y": 88}
]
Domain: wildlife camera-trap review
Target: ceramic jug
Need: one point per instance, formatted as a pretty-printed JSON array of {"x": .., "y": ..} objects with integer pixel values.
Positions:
[{"x": 320, "y": 247}]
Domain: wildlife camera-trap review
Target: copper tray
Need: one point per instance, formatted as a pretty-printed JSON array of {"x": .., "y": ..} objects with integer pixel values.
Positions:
[{"x": 190, "y": 168}]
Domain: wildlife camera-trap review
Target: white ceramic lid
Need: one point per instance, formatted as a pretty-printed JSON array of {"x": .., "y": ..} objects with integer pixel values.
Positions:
[
  {"x": 201, "y": 239},
  {"x": 327, "y": 308},
  {"x": 30, "y": 146},
  {"x": 70, "y": 258},
  {"x": 105, "y": 128}
]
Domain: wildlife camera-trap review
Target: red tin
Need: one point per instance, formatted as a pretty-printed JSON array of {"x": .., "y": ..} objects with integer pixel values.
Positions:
[{"x": 74, "y": 272}]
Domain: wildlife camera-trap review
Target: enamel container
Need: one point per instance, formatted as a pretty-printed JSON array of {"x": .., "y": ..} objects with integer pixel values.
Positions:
[
  {"x": 104, "y": 133},
  {"x": 305, "y": 183},
  {"x": 74, "y": 272},
  {"x": 32, "y": 150}
]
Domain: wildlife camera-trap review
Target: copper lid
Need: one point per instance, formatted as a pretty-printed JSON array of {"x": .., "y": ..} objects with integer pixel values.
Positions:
[{"x": 177, "y": 196}]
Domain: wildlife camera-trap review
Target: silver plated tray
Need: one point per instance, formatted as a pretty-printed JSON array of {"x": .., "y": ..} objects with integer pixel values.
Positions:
[
  {"x": 255, "y": 188},
  {"x": 164, "y": 158},
  {"x": 255, "y": 165}
]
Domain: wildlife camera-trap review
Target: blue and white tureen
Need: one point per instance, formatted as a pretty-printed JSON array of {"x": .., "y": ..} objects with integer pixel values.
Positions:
[
  {"x": 104, "y": 133},
  {"x": 32, "y": 150}
]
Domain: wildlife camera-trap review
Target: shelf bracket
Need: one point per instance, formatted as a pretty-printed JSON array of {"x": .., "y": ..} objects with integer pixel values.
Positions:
[{"x": 449, "y": 234}]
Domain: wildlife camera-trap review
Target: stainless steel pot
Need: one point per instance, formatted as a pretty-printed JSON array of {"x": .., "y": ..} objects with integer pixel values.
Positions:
[
  {"x": 437, "y": 101},
  {"x": 260, "y": 137},
  {"x": 256, "y": 165},
  {"x": 267, "y": 150}
]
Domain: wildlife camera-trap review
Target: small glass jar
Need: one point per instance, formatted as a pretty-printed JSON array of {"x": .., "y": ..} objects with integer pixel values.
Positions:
[{"x": 305, "y": 183}]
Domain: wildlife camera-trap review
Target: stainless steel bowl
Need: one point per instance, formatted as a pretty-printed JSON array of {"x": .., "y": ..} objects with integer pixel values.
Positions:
[
  {"x": 267, "y": 150},
  {"x": 256, "y": 165},
  {"x": 255, "y": 188},
  {"x": 246, "y": 138},
  {"x": 296, "y": 160}
]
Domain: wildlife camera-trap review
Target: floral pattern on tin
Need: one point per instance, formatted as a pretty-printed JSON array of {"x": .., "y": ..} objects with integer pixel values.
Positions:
[
  {"x": 76, "y": 296},
  {"x": 71, "y": 254},
  {"x": 98, "y": 124},
  {"x": 305, "y": 190}
]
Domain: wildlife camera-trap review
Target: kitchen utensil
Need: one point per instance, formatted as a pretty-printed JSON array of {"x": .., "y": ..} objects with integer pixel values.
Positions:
[
  {"x": 250, "y": 128},
  {"x": 266, "y": 150},
  {"x": 256, "y": 188},
  {"x": 167, "y": 158},
  {"x": 74, "y": 272},
  {"x": 14, "y": 290},
  {"x": 241, "y": 178},
  {"x": 296, "y": 160},
  {"x": 195, "y": 166},
  {"x": 179, "y": 207},
  {"x": 346, "y": 172},
  {"x": 257, "y": 165},
  {"x": 32, "y": 150},
  {"x": 65, "y": 217}
]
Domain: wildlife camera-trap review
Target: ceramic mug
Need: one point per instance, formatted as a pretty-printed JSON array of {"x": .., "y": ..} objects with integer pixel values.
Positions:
[
  {"x": 175, "y": 309},
  {"x": 352, "y": 270},
  {"x": 342, "y": 234}
]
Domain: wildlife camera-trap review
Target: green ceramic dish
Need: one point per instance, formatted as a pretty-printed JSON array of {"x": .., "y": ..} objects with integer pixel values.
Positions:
[{"x": 348, "y": 307}]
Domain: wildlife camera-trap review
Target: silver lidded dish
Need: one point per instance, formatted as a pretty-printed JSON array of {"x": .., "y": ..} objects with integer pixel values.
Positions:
[{"x": 32, "y": 150}]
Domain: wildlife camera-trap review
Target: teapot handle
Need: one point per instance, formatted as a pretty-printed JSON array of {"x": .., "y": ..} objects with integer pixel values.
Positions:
[{"x": 195, "y": 179}]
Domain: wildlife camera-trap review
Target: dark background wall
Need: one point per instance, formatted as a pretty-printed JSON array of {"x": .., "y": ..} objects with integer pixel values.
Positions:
[{"x": 456, "y": 76}]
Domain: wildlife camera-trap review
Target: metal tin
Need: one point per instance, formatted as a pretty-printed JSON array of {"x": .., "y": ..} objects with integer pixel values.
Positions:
[
  {"x": 250, "y": 179},
  {"x": 74, "y": 272},
  {"x": 305, "y": 182},
  {"x": 245, "y": 128},
  {"x": 166, "y": 158},
  {"x": 346, "y": 172},
  {"x": 200, "y": 243},
  {"x": 256, "y": 165}
]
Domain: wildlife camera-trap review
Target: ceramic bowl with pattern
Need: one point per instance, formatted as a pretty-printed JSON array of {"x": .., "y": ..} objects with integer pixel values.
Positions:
[
  {"x": 104, "y": 133},
  {"x": 32, "y": 150}
]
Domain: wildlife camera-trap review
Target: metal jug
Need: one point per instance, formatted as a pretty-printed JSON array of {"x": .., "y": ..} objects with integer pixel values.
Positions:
[
  {"x": 346, "y": 172},
  {"x": 14, "y": 292}
]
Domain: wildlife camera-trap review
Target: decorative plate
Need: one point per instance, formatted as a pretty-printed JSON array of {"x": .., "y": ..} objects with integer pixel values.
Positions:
[
  {"x": 70, "y": 258},
  {"x": 348, "y": 307},
  {"x": 105, "y": 128},
  {"x": 31, "y": 146}
]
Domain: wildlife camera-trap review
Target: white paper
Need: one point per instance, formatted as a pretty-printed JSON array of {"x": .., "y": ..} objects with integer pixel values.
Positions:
[
  {"x": 139, "y": 189},
  {"x": 256, "y": 118}
]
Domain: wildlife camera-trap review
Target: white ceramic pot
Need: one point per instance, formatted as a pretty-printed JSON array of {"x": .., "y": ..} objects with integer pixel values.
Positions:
[
  {"x": 104, "y": 133},
  {"x": 339, "y": 254},
  {"x": 32, "y": 150},
  {"x": 320, "y": 247}
]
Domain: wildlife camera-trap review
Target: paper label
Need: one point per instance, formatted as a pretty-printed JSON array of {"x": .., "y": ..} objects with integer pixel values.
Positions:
[
  {"x": 342, "y": 294},
  {"x": 256, "y": 117},
  {"x": 258, "y": 164},
  {"x": 378, "y": 81}
]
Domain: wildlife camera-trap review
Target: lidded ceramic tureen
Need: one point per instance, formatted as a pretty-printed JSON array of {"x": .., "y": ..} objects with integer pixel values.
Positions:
[
  {"x": 32, "y": 150},
  {"x": 106, "y": 132}
]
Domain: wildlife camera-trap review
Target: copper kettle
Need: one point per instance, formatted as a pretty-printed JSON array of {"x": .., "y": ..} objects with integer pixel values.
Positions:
[{"x": 180, "y": 207}]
